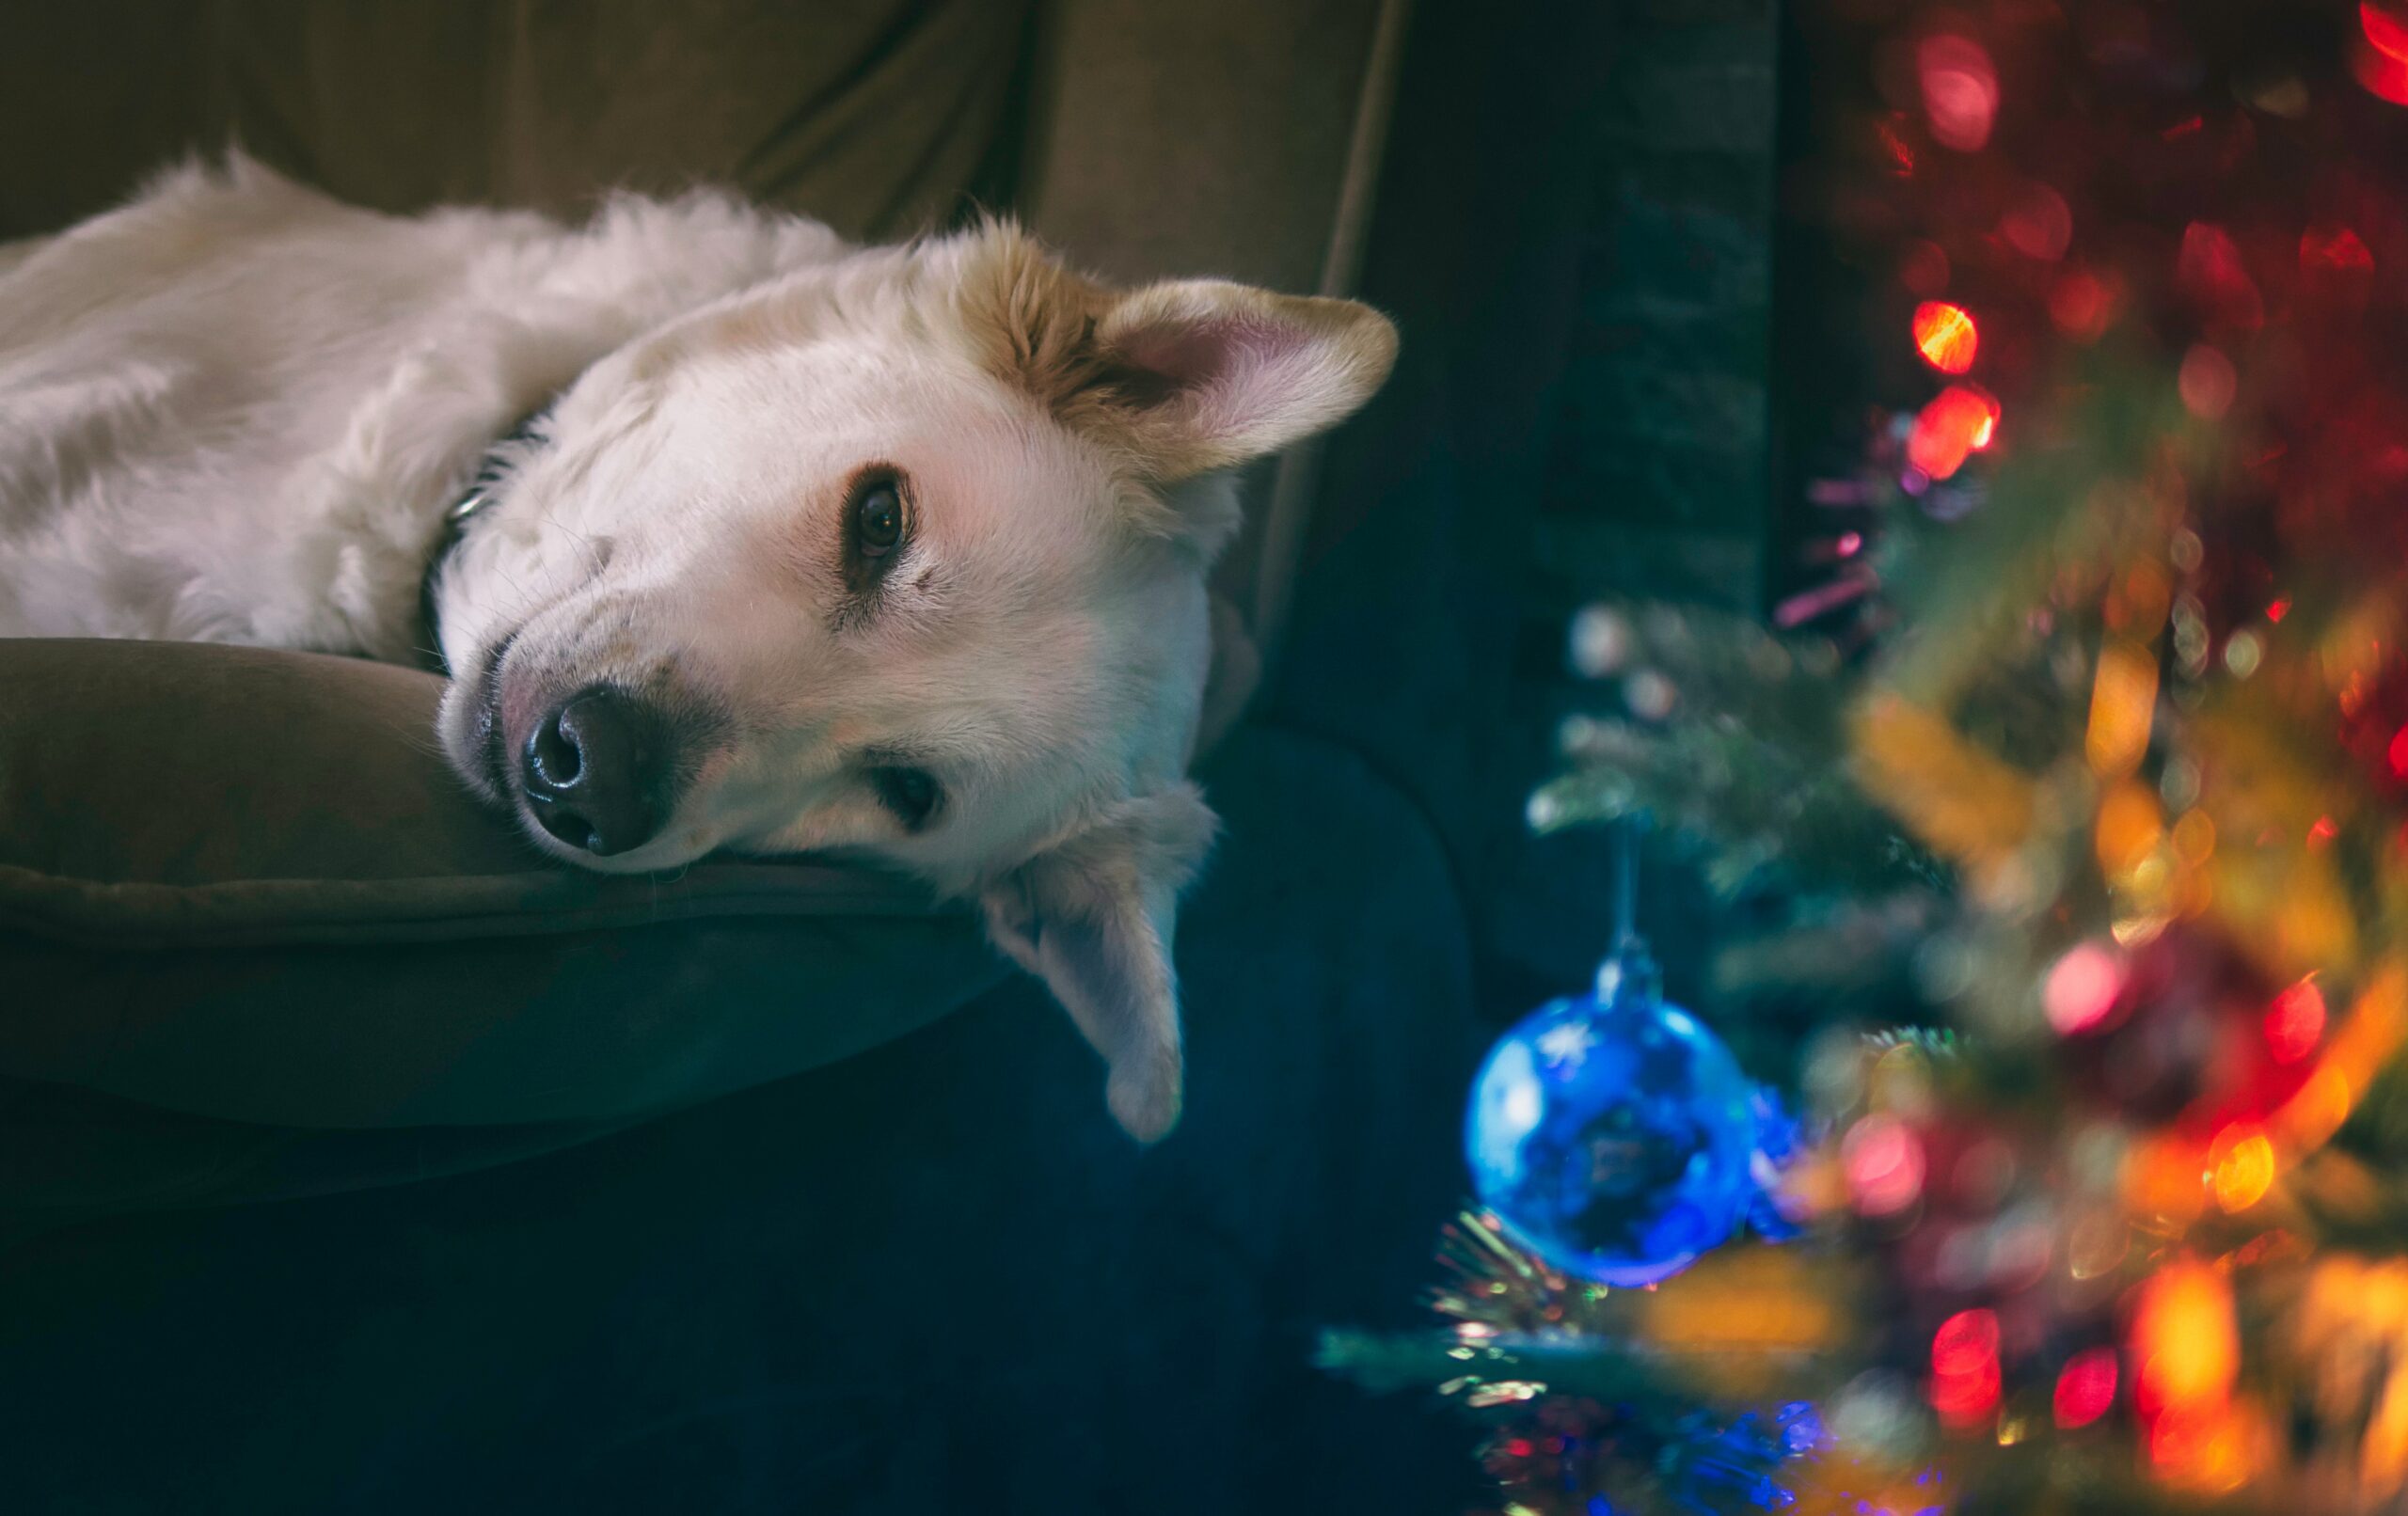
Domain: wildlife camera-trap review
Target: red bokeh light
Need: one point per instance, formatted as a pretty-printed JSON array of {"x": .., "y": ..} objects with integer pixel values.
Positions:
[
  {"x": 1964, "y": 1368},
  {"x": 2086, "y": 1387},
  {"x": 1884, "y": 1163},
  {"x": 1960, "y": 420},
  {"x": 1902, "y": 157},
  {"x": 1924, "y": 268},
  {"x": 2208, "y": 381},
  {"x": 2335, "y": 267},
  {"x": 2337, "y": 248},
  {"x": 2387, "y": 32},
  {"x": 2384, "y": 75},
  {"x": 2081, "y": 305},
  {"x": 2083, "y": 986},
  {"x": 2211, "y": 274},
  {"x": 2295, "y": 1022},
  {"x": 1947, "y": 337},
  {"x": 2041, "y": 225},
  {"x": 1959, "y": 90}
]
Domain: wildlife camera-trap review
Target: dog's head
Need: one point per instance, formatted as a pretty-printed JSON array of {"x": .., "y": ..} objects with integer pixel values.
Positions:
[{"x": 903, "y": 556}]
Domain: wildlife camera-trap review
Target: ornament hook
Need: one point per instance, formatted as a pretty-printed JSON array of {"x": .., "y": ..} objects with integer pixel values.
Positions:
[{"x": 1629, "y": 971}]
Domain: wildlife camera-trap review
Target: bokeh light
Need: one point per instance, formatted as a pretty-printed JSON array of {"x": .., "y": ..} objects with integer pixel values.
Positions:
[
  {"x": 1960, "y": 421},
  {"x": 2039, "y": 225},
  {"x": 1924, "y": 267},
  {"x": 1947, "y": 337},
  {"x": 1884, "y": 1161},
  {"x": 2184, "y": 1341},
  {"x": 2207, "y": 382},
  {"x": 2086, "y": 1387},
  {"x": 1959, "y": 90},
  {"x": 2213, "y": 275},
  {"x": 2328, "y": 252},
  {"x": 2083, "y": 304},
  {"x": 1964, "y": 1368},
  {"x": 2384, "y": 75},
  {"x": 2241, "y": 1165},
  {"x": 2385, "y": 31},
  {"x": 2082, "y": 988},
  {"x": 2295, "y": 1022}
]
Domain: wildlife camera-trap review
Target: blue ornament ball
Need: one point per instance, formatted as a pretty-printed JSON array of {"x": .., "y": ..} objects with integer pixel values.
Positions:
[{"x": 1613, "y": 1137}]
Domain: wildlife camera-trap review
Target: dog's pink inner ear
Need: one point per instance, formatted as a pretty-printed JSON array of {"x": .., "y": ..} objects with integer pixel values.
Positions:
[
  {"x": 1213, "y": 375},
  {"x": 1164, "y": 362}
]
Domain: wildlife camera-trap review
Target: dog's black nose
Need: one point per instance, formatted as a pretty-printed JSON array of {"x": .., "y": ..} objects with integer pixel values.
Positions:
[{"x": 596, "y": 771}]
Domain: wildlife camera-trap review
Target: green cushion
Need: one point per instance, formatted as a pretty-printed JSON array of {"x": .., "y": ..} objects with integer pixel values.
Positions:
[{"x": 243, "y": 884}]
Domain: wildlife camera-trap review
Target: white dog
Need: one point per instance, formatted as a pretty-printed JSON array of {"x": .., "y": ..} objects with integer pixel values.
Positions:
[{"x": 763, "y": 541}]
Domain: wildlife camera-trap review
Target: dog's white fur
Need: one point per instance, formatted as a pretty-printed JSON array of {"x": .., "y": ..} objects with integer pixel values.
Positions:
[{"x": 235, "y": 411}]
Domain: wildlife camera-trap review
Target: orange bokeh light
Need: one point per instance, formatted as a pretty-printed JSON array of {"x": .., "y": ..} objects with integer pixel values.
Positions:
[
  {"x": 1947, "y": 337},
  {"x": 2210, "y": 1450},
  {"x": 1960, "y": 420},
  {"x": 2161, "y": 1177}
]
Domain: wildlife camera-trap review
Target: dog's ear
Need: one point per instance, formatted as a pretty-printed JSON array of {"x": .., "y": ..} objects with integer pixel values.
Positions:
[
  {"x": 1091, "y": 916},
  {"x": 1183, "y": 377},
  {"x": 1205, "y": 374}
]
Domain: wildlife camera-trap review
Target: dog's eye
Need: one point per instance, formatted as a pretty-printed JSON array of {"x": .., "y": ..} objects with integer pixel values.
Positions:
[
  {"x": 911, "y": 794},
  {"x": 877, "y": 519}
]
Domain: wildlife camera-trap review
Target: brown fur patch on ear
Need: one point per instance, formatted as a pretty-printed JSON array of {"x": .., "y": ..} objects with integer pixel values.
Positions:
[{"x": 1031, "y": 322}]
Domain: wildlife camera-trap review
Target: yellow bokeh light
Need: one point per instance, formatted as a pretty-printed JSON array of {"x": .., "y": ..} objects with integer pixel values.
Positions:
[
  {"x": 2241, "y": 1166},
  {"x": 2123, "y": 707},
  {"x": 2184, "y": 1339}
]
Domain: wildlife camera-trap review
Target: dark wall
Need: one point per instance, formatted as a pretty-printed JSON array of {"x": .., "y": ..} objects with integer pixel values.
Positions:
[{"x": 1574, "y": 232}]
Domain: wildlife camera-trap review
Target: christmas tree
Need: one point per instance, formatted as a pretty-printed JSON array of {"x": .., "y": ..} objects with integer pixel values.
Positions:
[{"x": 2081, "y": 778}]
